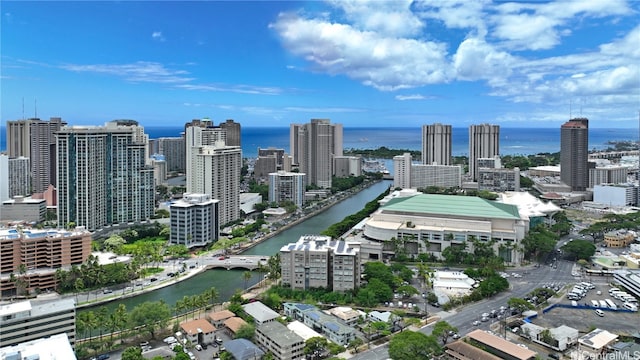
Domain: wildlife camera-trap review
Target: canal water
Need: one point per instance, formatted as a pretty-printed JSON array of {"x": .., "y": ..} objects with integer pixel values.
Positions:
[{"x": 228, "y": 281}]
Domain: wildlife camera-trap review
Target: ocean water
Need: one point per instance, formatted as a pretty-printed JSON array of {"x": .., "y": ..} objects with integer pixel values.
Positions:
[{"x": 513, "y": 141}]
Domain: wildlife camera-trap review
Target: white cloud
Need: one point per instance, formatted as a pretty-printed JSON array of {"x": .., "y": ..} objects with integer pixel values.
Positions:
[
  {"x": 241, "y": 89},
  {"x": 414, "y": 97},
  {"x": 538, "y": 26},
  {"x": 389, "y": 17},
  {"x": 386, "y": 63},
  {"x": 476, "y": 59},
  {"x": 456, "y": 14},
  {"x": 157, "y": 35},
  {"x": 141, "y": 71}
]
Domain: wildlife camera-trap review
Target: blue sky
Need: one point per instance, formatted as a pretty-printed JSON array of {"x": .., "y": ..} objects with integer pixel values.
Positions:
[{"x": 359, "y": 63}]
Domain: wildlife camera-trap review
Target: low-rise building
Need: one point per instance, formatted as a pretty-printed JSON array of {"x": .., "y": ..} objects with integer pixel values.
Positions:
[
  {"x": 499, "y": 346},
  {"x": 616, "y": 194},
  {"x": 218, "y": 318},
  {"x": 283, "y": 343},
  {"x": 345, "y": 314},
  {"x": 302, "y": 330},
  {"x": 594, "y": 344},
  {"x": 452, "y": 283},
  {"x": 26, "y": 321},
  {"x": 561, "y": 337},
  {"x": 619, "y": 238},
  {"x": 199, "y": 331},
  {"x": 234, "y": 324},
  {"x": 325, "y": 324},
  {"x": 243, "y": 349},
  {"x": 260, "y": 313}
]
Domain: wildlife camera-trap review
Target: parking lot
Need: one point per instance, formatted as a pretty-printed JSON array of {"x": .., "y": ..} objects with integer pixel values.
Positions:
[
  {"x": 161, "y": 349},
  {"x": 618, "y": 322}
]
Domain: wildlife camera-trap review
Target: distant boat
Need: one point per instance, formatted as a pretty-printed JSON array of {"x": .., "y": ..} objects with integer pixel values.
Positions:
[{"x": 364, "y": 139}]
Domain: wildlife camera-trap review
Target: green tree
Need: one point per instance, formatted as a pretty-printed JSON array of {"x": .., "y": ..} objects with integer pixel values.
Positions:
[
  {"x": 355, "y": 344},
  {"x": 580, "y": 249},
  {"x": 150, "y": 315},
  {"x": 132, "y": 353},
  {"x": 443, "y": 330},
  {"x": 519, "y": 304},
  {"x": 315, "y": 346},
  {"x": 380, "y": 271},
  {"x": 411, "y": 345},
  {"x": 246, "y": 331}
]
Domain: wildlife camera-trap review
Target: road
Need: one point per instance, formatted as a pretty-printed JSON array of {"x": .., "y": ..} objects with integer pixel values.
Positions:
[{"x": 463, "y": 317}]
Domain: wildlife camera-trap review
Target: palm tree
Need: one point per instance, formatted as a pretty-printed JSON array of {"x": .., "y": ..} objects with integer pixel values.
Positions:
[
  {"x": 102, "y": 315},
  {"x": 121, "y": 318},
  {"x": 214, "y": 295},
  {"x": 247, "y": 276}
]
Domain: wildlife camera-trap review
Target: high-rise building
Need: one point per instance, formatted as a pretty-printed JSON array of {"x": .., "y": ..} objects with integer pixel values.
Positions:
[
  {"x": 484, "y": 142},
  {"x": 287, "y": 186},
  {"x": 233, "y": 130},
  {"x": 213, "y": 166},
  {"x": 19, "y": 177},
  {"x": 215, "y": 170},
  {"x": 608, "y": 175},
  {"x": 345, "y": 166},
  {"x": 436, "y": 144},
  {"x": 498, "y": 179},
  {"x": 574, "y": 153},
  {"x": 269, "y": 160},
  {"x": 103, "y": 177},
  {"x": 313, "y": 146},
  {"x": 194, "y": 220},
  {"x": 402, "y": 171},
  {"x": 34, "y": 138},
  {"x": 173, "y": 149}
]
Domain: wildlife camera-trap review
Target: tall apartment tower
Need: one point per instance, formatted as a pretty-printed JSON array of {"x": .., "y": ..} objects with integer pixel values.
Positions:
[
  {"x": 574, "y": 153},
  {"x": 34, "y": 138},
  {"x": 402, "y": 171},
  {"x": 173, "y": 149},
  {"x": 484, "y": 142},
  {"x": 213, "y": 167},
  {"x": 286, "y": 186},
  {"x": 233, "y": 130},
  {"x": 436, "y": 144},
  {"x": 313, "y": 146},
  {"x": 103, "y": 178},
  {"x": 215, "y": 170}
]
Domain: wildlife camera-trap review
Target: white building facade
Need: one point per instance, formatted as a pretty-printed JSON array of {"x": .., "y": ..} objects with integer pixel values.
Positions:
[
  {"x": 194, "y": 220},
  {"x": 287, "y": 186}
]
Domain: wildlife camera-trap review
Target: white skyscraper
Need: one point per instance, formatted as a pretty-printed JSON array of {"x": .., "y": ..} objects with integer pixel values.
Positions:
[
  {"x": 402, "y": 171},
  {"x": 216, "y": 171},
  {"x": 213, "y": 166},
  {"x": 287, "y": 186},
  {"x": 103, "y": 178}
]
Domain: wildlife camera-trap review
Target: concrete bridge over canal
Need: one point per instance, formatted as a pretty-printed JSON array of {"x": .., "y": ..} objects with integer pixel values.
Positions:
[{"x": 248, "y": 262}]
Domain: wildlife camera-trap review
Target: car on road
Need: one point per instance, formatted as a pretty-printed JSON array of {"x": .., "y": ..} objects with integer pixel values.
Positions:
[
  {"x": 476, "y": 323},
  {"x": 198, "y": 347},
  {"x": 221, "y": 258},
  {"x": 599, "y": 312}
]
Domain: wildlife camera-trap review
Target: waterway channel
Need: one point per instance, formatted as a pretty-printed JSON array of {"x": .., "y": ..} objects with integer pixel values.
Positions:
[{"x": 228, "y": 281}]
